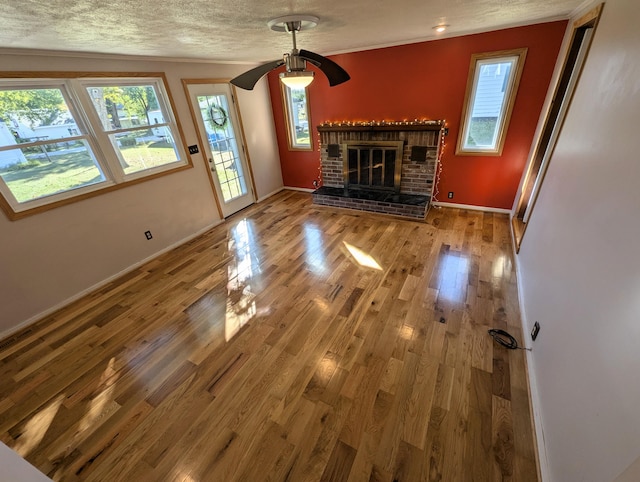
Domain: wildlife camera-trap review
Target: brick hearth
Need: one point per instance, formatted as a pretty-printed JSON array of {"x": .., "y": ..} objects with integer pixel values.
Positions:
[{"x": 406, "y": 205}]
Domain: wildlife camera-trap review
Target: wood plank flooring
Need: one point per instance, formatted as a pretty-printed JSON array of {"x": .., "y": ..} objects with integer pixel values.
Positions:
[{"x": 293, "y": 342}]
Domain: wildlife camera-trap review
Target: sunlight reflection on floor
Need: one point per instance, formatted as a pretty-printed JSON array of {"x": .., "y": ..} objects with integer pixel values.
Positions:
[
  {"x": 98, "y": 404},
  {"x": 36, "y": 428},
  {"x": 362, "y": 258},
  {"x": 241, "y": 306},
  {"x": 453, "y": 277},
  {"x": 314, "y": 249}
]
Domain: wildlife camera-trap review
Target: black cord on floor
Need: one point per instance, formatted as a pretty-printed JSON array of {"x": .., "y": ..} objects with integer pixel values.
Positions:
[{"x": 505, "y": 339}]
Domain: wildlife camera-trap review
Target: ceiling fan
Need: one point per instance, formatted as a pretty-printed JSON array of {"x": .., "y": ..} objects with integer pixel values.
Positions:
[{"x": 296, "y": 75}]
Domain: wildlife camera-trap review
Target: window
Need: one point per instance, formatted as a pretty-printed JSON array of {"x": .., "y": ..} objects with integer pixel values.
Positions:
[
  {"x": 134, "y": 118},
  {"x": 44, "y": 148},
  {"x": 297, "y": 117},
  {"x": 491, "y": 91},
  {"x": 65, "y": 139}
]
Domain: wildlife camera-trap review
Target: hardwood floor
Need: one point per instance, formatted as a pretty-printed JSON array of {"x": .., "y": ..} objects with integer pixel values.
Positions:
[{"x": 293, "y": 342}]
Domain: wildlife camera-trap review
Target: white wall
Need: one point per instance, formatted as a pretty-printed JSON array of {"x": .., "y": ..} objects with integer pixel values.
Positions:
[
  {"x": 265, "y": 158},
  {"x": 580, "y": 266},
  {"x": 49, "y": 258}
]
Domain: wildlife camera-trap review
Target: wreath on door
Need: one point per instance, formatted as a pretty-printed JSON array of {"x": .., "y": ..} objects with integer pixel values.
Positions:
[{"x": 218, "y": 117}]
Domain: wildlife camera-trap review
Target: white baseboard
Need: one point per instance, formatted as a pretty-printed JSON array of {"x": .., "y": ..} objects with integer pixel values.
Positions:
[
  {"x": 272, "y": 193},
  {"x": 303, "y": 189},
  {"x": 534, "y": 394},
  {"x": 471, "y": 207},
  {"x": 100, "y": 284}
]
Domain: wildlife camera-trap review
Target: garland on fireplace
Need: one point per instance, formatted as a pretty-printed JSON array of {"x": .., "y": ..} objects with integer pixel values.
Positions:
[
  {"x": 415, "y": 122},
  {"x": 436, "y": 180},
  {"x": 317, "y": 182}
]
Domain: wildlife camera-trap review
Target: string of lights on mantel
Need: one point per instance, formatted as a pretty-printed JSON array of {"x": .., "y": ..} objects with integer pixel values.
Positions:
[
  {"x": 436, "y": 180},
  {"x": 415, "y": 122}
]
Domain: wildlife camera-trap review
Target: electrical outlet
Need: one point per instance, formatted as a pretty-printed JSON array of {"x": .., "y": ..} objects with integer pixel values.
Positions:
[
  {"x": 535, "y": 330},
  {"x": 450, "y": 195},
  {"x": 148, "y": 234}
]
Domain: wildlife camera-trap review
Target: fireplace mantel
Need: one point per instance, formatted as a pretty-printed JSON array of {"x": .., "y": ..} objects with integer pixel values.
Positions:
[{"x": 375, "y": 127}]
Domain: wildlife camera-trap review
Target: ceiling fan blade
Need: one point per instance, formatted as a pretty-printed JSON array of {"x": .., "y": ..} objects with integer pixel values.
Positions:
[
  {"x": 335, "y": 73},
  {"x": 250, "y": 78}
]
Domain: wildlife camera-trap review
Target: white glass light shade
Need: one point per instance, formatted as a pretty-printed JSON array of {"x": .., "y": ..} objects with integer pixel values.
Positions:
[{"x": 298, "y": 79}]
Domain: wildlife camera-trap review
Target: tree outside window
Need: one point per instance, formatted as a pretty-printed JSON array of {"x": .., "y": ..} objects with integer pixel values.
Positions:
[{"x": 132, "y": 117}]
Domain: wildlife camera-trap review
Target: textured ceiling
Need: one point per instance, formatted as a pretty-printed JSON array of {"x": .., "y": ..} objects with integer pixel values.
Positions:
[{"x": 236, "y": 30}]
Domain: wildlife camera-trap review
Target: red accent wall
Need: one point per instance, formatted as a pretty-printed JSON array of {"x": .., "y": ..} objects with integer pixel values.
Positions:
[{"x": 428, "y": 80}]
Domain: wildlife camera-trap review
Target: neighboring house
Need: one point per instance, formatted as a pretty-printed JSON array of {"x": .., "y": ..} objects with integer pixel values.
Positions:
[
  {"x": 491, "y": 91},
  {"x": 21, "y": 131},
  {"x": 8, "y": 158}
]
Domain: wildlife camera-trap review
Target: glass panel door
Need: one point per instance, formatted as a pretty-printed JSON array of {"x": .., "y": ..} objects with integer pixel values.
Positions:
[{"x": 215, "y": 116}]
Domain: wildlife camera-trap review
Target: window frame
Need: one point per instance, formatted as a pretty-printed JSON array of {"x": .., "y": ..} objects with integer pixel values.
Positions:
[
  {"x": 288, "y": 119},
  {"x": 84, "y": 113},
  {"x": 507, "y": 107}
]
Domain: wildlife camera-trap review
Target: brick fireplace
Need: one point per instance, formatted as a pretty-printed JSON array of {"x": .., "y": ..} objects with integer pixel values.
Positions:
[{"x": 385, "y": 167}]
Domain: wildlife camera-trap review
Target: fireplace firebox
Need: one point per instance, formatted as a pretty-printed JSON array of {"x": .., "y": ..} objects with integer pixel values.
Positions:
[{"x": 373, "y": 165}]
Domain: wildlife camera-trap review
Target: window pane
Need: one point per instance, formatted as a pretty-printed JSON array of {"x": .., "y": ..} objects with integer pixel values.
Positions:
[
  {"x": 298, "y": 118},
  {"x": 34, "y": 115},
  {"x": 125, "y": 107},
  {"x": 488, "y": 103},
  {"x": 38, "y": 171},
  {"x": 142, "y": 149},
  {"x": 35, "y": 160},
  {"x": 145, "y": 135}
]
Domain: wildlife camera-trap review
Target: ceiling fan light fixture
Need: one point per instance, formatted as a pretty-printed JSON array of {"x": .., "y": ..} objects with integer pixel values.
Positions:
[
  {"x": 297, "y": 79},
  {"x": 296, "y": 76}
]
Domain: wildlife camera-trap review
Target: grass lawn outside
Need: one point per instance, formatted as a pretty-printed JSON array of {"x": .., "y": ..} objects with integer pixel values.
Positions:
[
  {"x": 68, "y": 170},
  {"x": 303, "y": 138},
  {"x": 481, "y": 131},
  {"x": 231, "y": 180},
  {"x": 146, "y": 156},
  {"x": 40, "y": 177}
]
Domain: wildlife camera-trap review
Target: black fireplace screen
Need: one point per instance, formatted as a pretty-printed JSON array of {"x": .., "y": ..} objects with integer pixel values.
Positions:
[{"x": 373, "y": 165}]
